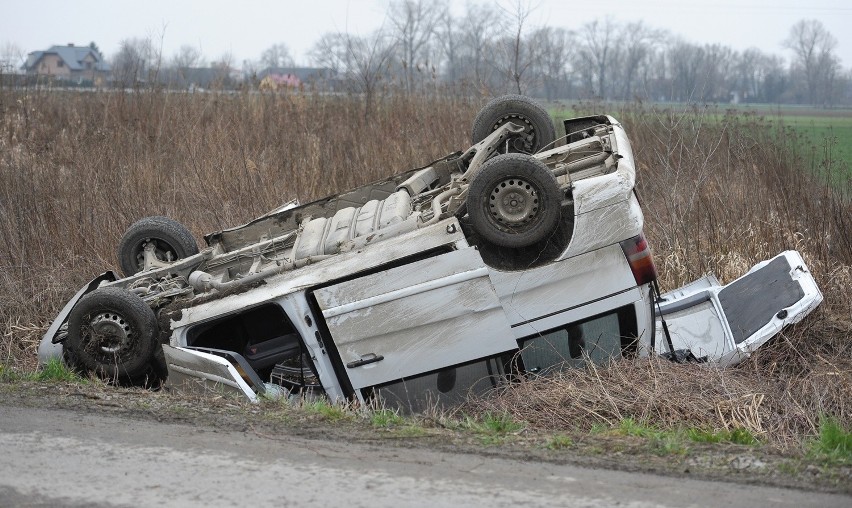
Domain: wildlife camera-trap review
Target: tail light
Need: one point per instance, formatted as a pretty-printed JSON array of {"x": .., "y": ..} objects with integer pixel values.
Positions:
[{"x": 639, "y": 257}]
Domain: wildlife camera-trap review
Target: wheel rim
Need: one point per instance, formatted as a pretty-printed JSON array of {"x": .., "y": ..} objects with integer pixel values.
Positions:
[
  {"x": 108, "y": 334},
  {"x": 524, "y": 143},
  {"x": 513, "y": 204}
]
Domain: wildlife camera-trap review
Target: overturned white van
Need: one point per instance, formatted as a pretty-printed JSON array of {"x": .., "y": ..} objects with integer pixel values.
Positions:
[{"x": 520, "y": 255}]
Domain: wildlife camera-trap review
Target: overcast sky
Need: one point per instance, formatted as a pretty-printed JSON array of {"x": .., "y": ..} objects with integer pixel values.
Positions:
[{"x": 245, "y": 28}]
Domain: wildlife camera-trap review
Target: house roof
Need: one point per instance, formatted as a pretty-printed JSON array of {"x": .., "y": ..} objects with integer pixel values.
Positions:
[
  {"x": 73, "y": 57},
  {"x": 302, "y": 73}
]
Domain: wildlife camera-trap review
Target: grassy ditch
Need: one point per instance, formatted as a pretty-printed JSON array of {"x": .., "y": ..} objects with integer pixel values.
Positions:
[{"x": 720, "y": 192}]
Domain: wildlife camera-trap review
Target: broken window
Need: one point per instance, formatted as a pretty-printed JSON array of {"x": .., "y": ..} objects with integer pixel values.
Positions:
[{"x": 263, "y": 335}]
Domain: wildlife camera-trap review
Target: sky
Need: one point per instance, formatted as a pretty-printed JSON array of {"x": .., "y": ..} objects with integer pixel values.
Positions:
[{"x": 245, "y": 28}]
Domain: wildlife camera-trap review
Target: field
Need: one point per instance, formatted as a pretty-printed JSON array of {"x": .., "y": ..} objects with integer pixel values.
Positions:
[
  {"x": 827, "y": 141},
  {"x": 720, "y": 190},
  {"x": 822, "y": 138}
]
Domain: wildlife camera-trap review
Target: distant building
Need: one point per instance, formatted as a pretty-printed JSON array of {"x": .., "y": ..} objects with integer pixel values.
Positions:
[
  {"x": 73, "y": 63},
  {"x": 282, "y": 78},
  {"x": 195, "y": 78}
]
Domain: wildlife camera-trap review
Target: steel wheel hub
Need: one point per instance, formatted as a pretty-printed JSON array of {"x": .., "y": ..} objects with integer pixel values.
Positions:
[
  {"x": 513, "y": 202},
  {"x": 110, "y": 332}
]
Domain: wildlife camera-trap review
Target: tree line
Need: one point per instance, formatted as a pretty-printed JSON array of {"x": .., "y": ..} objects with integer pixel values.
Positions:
[{"x": 491, "y": 49}]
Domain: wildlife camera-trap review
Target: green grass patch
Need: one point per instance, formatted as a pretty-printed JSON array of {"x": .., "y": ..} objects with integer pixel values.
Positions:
[
  {"x": 675, "y": 442},
  {"x": 559, "y": 442},
  {"x": 8, "y": 375},
  {"x": 56, "y": 370},
  {"x": 736, "y": 436},
  {"x": 630, "y": 427},
  {"x": 825, "y": 143},
  {"x": 834, "y": 442},
  {"x": 660, "y": 442},
  {"x": 492, "y": 428},
  {"x": 409, "y": 431},
  {"x": 386, "y": 418},
  {"x": 324, "y": 408},
  {"x": 500, "y": 423}
]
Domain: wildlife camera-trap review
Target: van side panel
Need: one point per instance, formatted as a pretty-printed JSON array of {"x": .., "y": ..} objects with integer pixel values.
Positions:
[
  {"x": 530, "y": 295},
  {"x": 415, "y": 318}
]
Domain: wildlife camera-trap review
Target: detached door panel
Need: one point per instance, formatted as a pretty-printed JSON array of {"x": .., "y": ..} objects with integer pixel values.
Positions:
[{"x": 415, "y": 318}]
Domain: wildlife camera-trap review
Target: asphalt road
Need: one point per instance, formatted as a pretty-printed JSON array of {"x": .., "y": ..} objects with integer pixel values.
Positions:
[{"x": 56, "y": 457}]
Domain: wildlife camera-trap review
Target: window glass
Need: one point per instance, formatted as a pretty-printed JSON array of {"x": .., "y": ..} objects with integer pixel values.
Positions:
[
  {"x": 597, "y": 340},
  {"x": 446, "y": 387}
]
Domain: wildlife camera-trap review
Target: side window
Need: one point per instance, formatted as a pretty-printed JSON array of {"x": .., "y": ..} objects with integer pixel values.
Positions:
[
  {"x": 596, "y": 339},
  {"x": 263, "y": 335},
  {"x": 445, "y": 387}
]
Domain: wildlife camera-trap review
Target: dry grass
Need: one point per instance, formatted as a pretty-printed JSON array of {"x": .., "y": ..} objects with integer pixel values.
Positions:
[
  {"x": 76, "y": 169},
  {"x": 720, "y": 192}
]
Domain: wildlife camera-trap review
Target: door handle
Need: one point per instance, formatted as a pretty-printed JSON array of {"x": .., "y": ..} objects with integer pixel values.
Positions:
[{"x": 365, "y": 360}]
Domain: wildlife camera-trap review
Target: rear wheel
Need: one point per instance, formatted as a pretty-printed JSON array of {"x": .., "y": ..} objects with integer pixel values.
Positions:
[
  {"x": 539, "y": 132},
  {"x": 514, "y": 201},
  {"x": 169, "y": 239},
  {"x": 112, "y": 333}
]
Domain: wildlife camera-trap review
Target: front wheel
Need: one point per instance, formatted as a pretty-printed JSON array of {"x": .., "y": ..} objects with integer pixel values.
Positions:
[
  {"x": 112, "y": 333},
  {"x": 514, "y": 201}
]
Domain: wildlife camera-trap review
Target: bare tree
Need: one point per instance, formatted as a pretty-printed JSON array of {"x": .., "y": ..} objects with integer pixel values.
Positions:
[
  {"x": 449, "y": 37},
  {"x": 556, "y": 46},
  {"x": 759, "y": 77},
  {"x": 685, "y": 61},
  {"x": 813, "y": 47},
  {"x": 598, "y": 52},
  {"x": 362, "y": 60},
  {"x": 637, "y": 41},
  {"x": 414, "y": 24},
  {"x": 520, "y": 53},
  {"x": 716, "y": 73},
  {"x": 481, "y": 25},
  {"x": 277, "y": 55},
  {"x": 11, "y": 58},
  {"x": 223, "y": 66},
  {"x": 136, "y": 62},
  {"x": 187, "y": 56},
  {"x": 330, "y": 52}
]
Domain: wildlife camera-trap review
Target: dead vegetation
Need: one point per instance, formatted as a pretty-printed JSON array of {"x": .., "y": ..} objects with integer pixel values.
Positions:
[{"x": 720, "y": 192}]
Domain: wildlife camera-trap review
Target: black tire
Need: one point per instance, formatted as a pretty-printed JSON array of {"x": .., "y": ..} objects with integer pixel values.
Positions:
[
  {"x": 540, "y": 132},
  {"x": 112, "y": 333},
  {"x": 172, "y": 239},
  {"x": 514, "y": 201}
]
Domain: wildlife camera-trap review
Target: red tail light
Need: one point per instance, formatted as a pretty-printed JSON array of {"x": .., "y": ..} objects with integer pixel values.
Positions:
[{"x": 639, "y": 257}]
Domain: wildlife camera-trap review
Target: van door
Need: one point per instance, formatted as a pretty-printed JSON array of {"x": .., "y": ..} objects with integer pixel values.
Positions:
[
  {"x": 415, "y": 318},
  {"x": 725, "y": 324}
]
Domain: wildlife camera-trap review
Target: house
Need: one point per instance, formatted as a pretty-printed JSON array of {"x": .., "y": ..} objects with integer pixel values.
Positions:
[
  {"x": 273, "y": 82},
  {"x": 73, "y": 63},
  {"x": 281, "y": 78}
]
